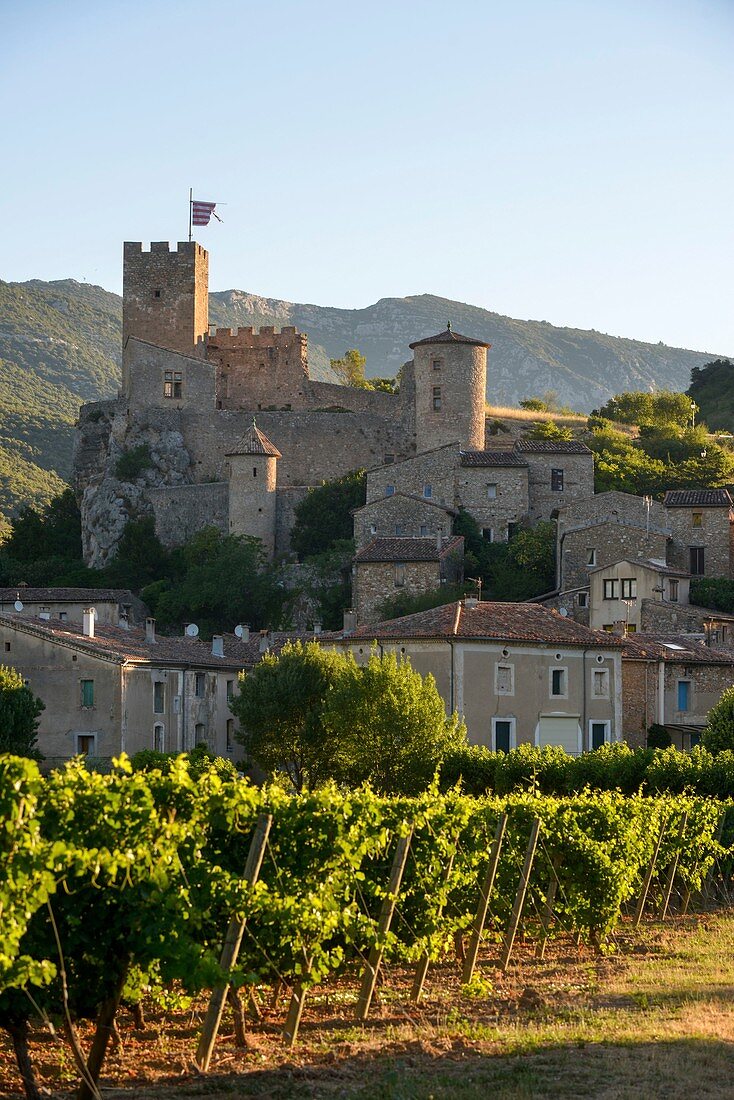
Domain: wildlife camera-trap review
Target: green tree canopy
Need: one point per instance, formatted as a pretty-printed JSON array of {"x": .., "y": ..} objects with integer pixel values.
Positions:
[
  {"x": 324, "y": 516},
  {"x": 350, "y": 369},
  {"x": 548, "y": 429},
  {"x": 637, "y": 407},
  {"x": 20, "y": 711},
  {"x": 719, "y": 733}
]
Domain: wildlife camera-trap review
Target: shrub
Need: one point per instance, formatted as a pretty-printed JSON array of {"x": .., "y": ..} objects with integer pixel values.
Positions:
[
  {"x": 131, "y": 464},
  {"x": 719, "y": 732},
  {"x": 658, "y": 737}
]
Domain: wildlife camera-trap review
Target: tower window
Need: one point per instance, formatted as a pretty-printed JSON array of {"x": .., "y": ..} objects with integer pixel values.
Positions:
[
  {"x": 556, "y": 481},
  {"x": 156, "y": 293},
  {"x": 254, "y": 471},
  {"x": 436, "y": 398},
  {"x": 437, "y": 364}
]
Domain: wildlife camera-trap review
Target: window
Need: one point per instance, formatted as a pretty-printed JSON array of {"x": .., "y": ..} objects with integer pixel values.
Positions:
[
  {"x": 488, "y": 534},
  {"x": 629, "y": 588},
  {"x": 389, "y": 490},
  {"x": 598, "y": 734},
  {"x": 591, "y": 556},
  {"x": 399, "y": 574},
  {"x": 7, "y": 647},
  {"x": 684, "y": 695},
  {"x": 437, "y": 364},
  {"x": 491, "y": 492},
  {"x": 373, "y": 528},
  {"x": 159, "y": 738},
  {"x": 673, "y": 591},
  {"x": 254, "y": 471},
  {"x": 423, "y": 530},
  {"x": 159, "y": 697},
  {"x": 427, "y": 491},
  {"x": 389, "y": 459},
  {"x": 696, "y": 561},
  {"x": 504, "y": 679},
  {"x": 399, "y": 529},
  {"x": 583, "y": 599},
  {"x": 697, "y": 519},
  {"x": 600, "y": 683},
  {"x": 503, "y": 734},
  {"x": 631, "y": 628},
  {"x": 87, "y": 693},
  {"x": 559, "y": 682},
  {"x": 230, "y": 735},
  {"x": 557, "y": 481},
  {"x": 436, "y": 398},
  {"x": 156, "y": 293},
  {"x": 230, "y": 690},
  {"x": 611, "y": 590},
  {"x": 62, "y": 616},
  {"x": 608, "y": 627},
  {"x": 200, "y": 684},
  {"x": 199, "y": 734},
  {"x": 172, "y": 383},
  {"x": 86, "y": 743}
]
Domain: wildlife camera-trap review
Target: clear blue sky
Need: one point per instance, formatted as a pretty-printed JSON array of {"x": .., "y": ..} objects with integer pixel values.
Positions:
[{"x": 567, "y": 160}]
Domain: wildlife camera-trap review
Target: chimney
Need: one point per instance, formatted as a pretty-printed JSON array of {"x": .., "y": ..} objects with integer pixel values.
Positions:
[
  {"x": 244, "y": 632},
  {"x": 350, "y": 620},
  {"x": 150, "y": 631},
  {"x": 217, "y": 645},
  {"x": 620, "y": 629},
  {"x": 88, "y": 622},
  {"x": 124, "y": 616},
  {"x": 264, "y": 641},
  {"x": 316, "y": 626},
  {"x": 470, "y": 601}
]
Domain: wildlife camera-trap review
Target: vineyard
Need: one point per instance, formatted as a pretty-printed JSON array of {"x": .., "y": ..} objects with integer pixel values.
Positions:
[{"x": 140, "y": 888}]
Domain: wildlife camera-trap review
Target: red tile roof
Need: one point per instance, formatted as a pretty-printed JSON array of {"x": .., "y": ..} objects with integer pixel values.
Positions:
[
  {"x": 90, "y": 596},
  {"x": 552, "y": 446},
  {"x": 408, "y": 549},
  {"x": 491, "y": 458},
  {"x": 673, "y": 647},
  {"x": 490, "y": 621}
]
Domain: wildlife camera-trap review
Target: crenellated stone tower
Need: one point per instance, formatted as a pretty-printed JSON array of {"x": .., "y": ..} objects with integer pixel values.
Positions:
[
  {"x": 450, "y": 391},
  {"x": 253, "y": 483}
]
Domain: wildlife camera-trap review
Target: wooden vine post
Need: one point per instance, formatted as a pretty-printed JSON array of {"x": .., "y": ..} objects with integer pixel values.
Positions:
[
  {"x": 547, "y": 914},
  {"x": 369, "y": 978},
  {"x": 520, "y": 896},
  {"x": 648, "y": 877},
  {"x": 672, "y": 870},
  {"x": 295, "y": 1011},
  {"x": 231, "y": 947},
  {"x": 481, "y": 914},
  {"x": 422, "y": 965}
]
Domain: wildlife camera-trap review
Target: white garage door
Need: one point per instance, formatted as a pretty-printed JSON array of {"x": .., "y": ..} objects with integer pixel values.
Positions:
[{"x": 555, "y": 729}]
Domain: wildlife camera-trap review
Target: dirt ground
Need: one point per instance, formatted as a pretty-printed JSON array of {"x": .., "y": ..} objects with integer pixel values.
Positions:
[{"x": 654, "y": 1019}]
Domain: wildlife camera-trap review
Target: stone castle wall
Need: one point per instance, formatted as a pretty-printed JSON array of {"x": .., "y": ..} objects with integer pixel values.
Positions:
[
  {"x": 181, "y": 511},
  {"x": 578, "y": 481},
  {"x": 166, "y": 295}
]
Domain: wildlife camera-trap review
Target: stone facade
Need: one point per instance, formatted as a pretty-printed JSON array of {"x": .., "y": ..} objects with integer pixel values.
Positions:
[
  {"x": 166, "y": 298},
  {"x": 637, "y": 582},
  {"x": 702, "y": 539},
  {"x": 605, "y": 528},
  {"x": 401, "y": 514},
  {"x": 715, "y": 628},
  {"x": 558, "y": 474},
  {"x": 494, "y": 492},
  {"x": 390, "y": 566},
  {"x": 451, "y": 387}
]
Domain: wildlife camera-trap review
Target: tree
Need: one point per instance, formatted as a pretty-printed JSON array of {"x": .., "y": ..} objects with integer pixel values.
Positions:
[
  {"x": 55, "y": 532},
  {"x": 393, "y": 724},
  {"x": 637, "y": 407},
  {"x": 719, "y": 732},
  {"x": 140, "y": 558},
  {"x": 280, "y": 708},
  {"x": 20, "y": 711},
  {"x": 350, "y": 369},
  {"x": 548, "y": 429},
  {"x": 324, "y": 516}
]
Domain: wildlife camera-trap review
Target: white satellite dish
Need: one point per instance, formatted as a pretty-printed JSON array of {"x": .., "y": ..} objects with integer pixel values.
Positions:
[
  {"x": 18, "y": 605},
  {"x": 192, "y": 630},
  {"x": 238, "y": 631},
  {"x": 563, "y": 612}
]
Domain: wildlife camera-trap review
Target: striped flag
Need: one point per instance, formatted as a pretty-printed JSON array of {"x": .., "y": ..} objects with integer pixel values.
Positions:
[{"x": 201, "y": 212}]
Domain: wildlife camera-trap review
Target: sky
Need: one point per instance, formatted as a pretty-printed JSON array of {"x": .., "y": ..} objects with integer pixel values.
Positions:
[{"x": 567, "y": 160}]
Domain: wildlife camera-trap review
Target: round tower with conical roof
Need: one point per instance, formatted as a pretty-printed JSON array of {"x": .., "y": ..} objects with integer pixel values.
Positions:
[
  {"x": 253, "y": 478},
  {"x": 450, "y": 391}
]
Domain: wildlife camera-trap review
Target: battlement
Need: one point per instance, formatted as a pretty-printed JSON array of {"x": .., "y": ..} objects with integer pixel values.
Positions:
[
  {"x": 249, "y": 337},
  {"x": 189, "y": 249}
]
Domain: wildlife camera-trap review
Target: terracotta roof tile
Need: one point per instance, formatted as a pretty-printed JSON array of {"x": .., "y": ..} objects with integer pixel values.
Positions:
[
  {"x": 491, "y": 621},
  {"x": 255, "y": 442},
  {"x": 673, "y": 647},
  {"x": 408, "y": 549},
  {"x": 552, "y": 446},
  {"x": 65, "y": 595},
  {"x": 491, "y": 458}
]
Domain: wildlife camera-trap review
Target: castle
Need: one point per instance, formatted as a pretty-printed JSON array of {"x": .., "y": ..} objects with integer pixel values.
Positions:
[{"x": 224, "y": 428}]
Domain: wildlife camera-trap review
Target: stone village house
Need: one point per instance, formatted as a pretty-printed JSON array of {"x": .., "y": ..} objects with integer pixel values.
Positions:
[
  {"x": 519, "y": 673},
  {"x": 110, "y": 689}
]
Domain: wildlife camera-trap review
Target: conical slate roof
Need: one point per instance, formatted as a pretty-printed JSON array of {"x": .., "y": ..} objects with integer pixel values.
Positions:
[
  {"x": 255, "y": 442},
  {"x": 448, "y": 336}
]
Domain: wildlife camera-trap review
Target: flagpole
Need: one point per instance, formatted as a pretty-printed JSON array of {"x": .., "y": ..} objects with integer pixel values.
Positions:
[{"x": 191, "y": 207}]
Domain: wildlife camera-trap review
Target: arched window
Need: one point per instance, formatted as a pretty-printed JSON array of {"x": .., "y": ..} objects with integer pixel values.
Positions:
[
  {"x": 159, "y": 737},
  {"x": 199, "y": 734}
]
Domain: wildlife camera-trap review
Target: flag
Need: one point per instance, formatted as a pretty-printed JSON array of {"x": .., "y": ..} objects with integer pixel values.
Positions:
[{"x": 201, "y": 212}]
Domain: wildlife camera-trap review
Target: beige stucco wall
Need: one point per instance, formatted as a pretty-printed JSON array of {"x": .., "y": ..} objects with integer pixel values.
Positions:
[
  {"x": 108, "y": 611},
  {"x": 603, "y": 613}
]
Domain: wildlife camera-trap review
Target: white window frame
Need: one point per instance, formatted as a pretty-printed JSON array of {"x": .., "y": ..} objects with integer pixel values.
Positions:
[
  {"x": 613, "y": 582},
  {"x": 564, "y": 670},
  {"x": 606, "y": 680},
  {"x": 583, "y": 599},
  {"x": 628, "y": 588},
  {"x": 606, "y": 722},
  {"x": 497, "y": 667},
  {"x": 513, "y": 730},
  {"x": 591, "y": 556}
]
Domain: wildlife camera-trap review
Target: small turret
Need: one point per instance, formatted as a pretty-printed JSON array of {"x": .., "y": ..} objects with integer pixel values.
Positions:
[{"x": 253, "y": 477}]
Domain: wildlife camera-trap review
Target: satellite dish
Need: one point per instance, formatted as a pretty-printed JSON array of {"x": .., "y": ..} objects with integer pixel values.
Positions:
[
  {"x": 238, "y": 631},
  {"x": 18, "y": 605},
  {"x": 192, "y": 631},
  {"x": 563, "y": 612}
]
